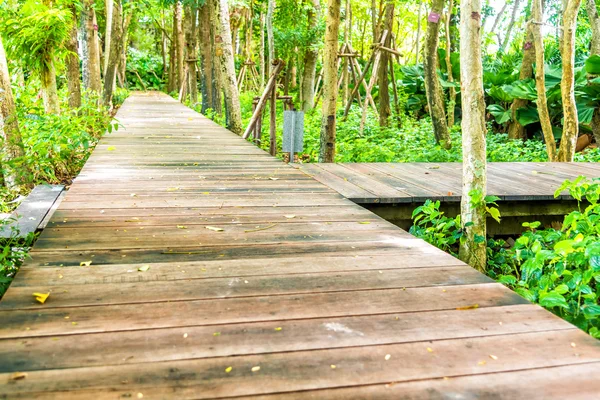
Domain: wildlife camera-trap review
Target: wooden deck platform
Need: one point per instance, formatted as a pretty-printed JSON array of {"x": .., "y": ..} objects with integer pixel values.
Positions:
[
  {"x": 397, "y": 183},
  {"x": 185, "y": 263}
]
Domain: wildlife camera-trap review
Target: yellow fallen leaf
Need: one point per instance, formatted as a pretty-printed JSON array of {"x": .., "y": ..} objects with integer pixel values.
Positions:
[
  {"x": 41, "y": 297},
  {"x": 290, "y": 216},
  {"x": 388, "y": 356},
  {"x": 173, "y": 189},
  {"x": 429, "y": 349},
  {"x": 273, "y": 179},
  {"x": 205, "y": 192},
  {"x": 364, "y": 222},
  {"x": 255, "y": 369},
  {"x": 278, "y": 328},
  {"x": 493, "y": 357},
  {"x": 17, "y": 376},
  {"x": 140, "y": 396},
  {"x": 111, "y": 148},
  {"x": 333, "y": 366},
  {"x": 228, "y": 369},
  {"x": 144, "y": 268},
  {"x": 212, "y": 228},
  {"x": 181, "y": 227},
  {"x": 481, "y": 363},
  {"x": 471, "y": 307},
  {"x": 85, "y": 263},
  {"x": 217, "y": 334}
]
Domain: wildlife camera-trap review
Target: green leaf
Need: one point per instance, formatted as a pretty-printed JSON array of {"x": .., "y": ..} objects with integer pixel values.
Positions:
[
  {"x": 524, "y": 90},
  {"x": 591, "y": 311},
  {"x": 527, "y": 115},
  {"x": 564, "y": 246},
  {"x": 552, "y": 300},
  {"x": 500, "y": 113},
  {"x": 526, "y": 293},
  {"x": 592, "y": 65},
  {"x": 561, "y": 289}
]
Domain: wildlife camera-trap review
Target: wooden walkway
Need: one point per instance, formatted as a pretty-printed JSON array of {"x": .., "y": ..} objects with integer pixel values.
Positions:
[
  {"x": 185, "y": 263},
  {"x": 396, "y": 183}
]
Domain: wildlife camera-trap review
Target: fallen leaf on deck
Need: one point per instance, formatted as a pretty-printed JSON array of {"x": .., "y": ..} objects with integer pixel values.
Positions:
[
  {"x": 255, "y": 369},
  {"x": 111, "y": 148},
  {"x": 41, "y": 297},
  {"x": 278, "y": 328},
  {"x": 273, "y": 179},
  {"x": 228, "y": 369},
  {"x": 493, "y": 357},
  {"x": 429, "y": 349},
  {"x": 17, "y": 376},
  {"x": 144, "y": 268},
  {"x": 471, "y": 307},
  {"x": 388, "y": 356},
  {"x": 290, "y": 216},
  {"x": 181, "y": 227},
  {"x": 212, "y": 228},
  {"x": 260, "y": 229},
  {"x": 434, "y": 167},
  {"x": 173, "y": 189},
  {"x": 333, "y": 366},
  {"x": 364, "y": 222},
  {"x": 85, "y": 263}
]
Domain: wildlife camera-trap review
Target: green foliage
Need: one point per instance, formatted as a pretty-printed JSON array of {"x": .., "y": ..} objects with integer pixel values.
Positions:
[
  {"x": 13, "y": 252},
  {"x": 145, "y": 66},
  {"x": 558, "y": 269}
]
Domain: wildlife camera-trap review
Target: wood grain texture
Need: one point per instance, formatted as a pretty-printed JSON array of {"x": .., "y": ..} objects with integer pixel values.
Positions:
[{"x": 205, "y": 258}]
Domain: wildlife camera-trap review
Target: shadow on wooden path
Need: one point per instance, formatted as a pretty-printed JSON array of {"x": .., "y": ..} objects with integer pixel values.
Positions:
[{"x": 186, "y": 263}]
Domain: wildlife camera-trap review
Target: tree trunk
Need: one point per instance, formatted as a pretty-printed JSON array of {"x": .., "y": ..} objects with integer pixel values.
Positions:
[
  {"x": 310, "y": 61},
  {"x": 72, "y": 65},
  {"x": 114, "y": 53},
  {"x": 124, "y": 46},
  {"x": 433, "y": 87},
  {"x": 384, "y": 93},
  {"x": 49, "y": 89},
  {"x": 511, "y": 24},
  {"x": 261, "y": 52},
  {"x": 473, "y": 215},
  {"x": 540, "y": 79},
  {"x": 270, "y": 37},
  {"x": 91, "y": 49},
  {"x": 10, "y": 135},
  {"x": 330, "y": 88},
  {"x": 190, "y": 46},
  {"x": 497, "y": 20},
  {"x": 515, "y": 129},
  {"x": 594, "y": 18},
  {"x": 345, "y": 60},
  {"x": 179, "y": 43},
  {"x": 451, "y": 90},
  {"x": 224, "y": 51},
  {"x": 205, "y": 57},
  {"x": 108, "y": 33},
  {"x": 418, "y": 40},
  {"x": 570, "y": 133}
]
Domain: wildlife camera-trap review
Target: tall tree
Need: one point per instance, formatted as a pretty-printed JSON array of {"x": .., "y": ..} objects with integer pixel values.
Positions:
[
  {"x": 108, "y": 8},
  {"x": 473, "y": 207},
  {"x": 114, "y": 52},
  {"x": 330, "y": 88},
  {"x": 515, "y": 129},
  {"x": 270, "y": 35},
  {"x": 91, "y": 48},
  {"x": 224, "y": 52},
  {"x": 191, "y": 11},
  {"x": 433, "y": 87},
  {"x": 451, "y": 90},
  {"x": 179, "y": 43},
  {"x": 206, "y": 56},
  {"x": 311, "y": 56},
  {"x": 510, "y": 26},
  {"x": 12, "y": 144},
  {"x": 540, "y": 79},
  {"x": 384, "y": 61},
  {"x": 568, "y": 141},
  {"x": 592, "y": 11},
  {"x": 72, "y": 63}
]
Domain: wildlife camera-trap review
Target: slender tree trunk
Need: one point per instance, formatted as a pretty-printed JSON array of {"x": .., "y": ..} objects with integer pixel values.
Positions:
[
  {"x": 330, "y": 88},
  {"x": 451, "y": 90},
  {"x": 224, "y": 51},
  {"x": 190, "y": 46},
  {"x": 172, "y": 84},
  {"x": 206, "y": 58},
  {"x": 433, "y": 87},
  {"x": 515, "y": 129},
  {"x": 49, "y": 89},
  {"x": 418, "y": 40},
  {"x": 270, "y": 37},
  {"x": 91, "y": 49},
  {"x": 384, "y": 93},
  {"x": 570, "y": 133},
  {"x": 374, "y": 15},
  {"x": 594, "y": 18},
  {"x": 10, "y": 135},
  {"x": 114, "y": 53},
  {"x": 124, "y": 46},
  {"x": 179, "y": 43},
  {"x": 540, "y": 79},
  {"x": 345, "y": 60},
  {"x": 72, "y": 65},
  {"x": 498, "y": 17},
  {"x": 511, "y": 24},
  {"x": 108, "y": 33},
  {"x": 310, "y": 61},
  {"x": 473, "y": 215},
  {"x": 261, "y": 52}
]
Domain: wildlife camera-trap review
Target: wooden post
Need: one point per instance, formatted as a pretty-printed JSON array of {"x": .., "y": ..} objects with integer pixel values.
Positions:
[{"x": 273, "y": 122}]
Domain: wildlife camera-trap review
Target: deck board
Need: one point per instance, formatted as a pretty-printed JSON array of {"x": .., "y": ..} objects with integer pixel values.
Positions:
[
  {"x": 329, "y": 300},
  {"x": 396, "y": 183}
]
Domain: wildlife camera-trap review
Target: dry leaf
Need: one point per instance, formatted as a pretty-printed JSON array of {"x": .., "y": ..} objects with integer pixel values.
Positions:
[
  {"x": 471, "y": 307},
  {"x": 85, "y": 263},
  {"x": 144, "y": 268},
  {"x": 429, "y": 349},
  {"x": 290, "y": 216},
  {"x": 388, "y": 356},
  {"x": 333, "y": 366},
  {"x": 173, "y": 189},
  {"x": 255, "y": 369},
  {"x": 364, "y": 222},
  {"x": 181, "y": 227},
  {"x": 18, "y": 376},
  {"x": 273, "y": 179},
  {"x": 212, "y": 228},
  {"x": 41, "y": 297},
  {"x": 260, "y": 229},
  {"x": 493, "y": 357}
]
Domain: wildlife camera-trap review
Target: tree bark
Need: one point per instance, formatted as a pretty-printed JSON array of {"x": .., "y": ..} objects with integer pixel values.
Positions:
[
  {"x": 261, "y": 52},
  {"x": 345, "y": 60},
  {"x": 498, "y": 17},
  {"x": 12, "y": 143},
  {"x": 473, "y": 215},
  {"x": 540, "y": 79},
  {"x": 190, "y": 46},
  {"x": 594, "y": 18},
  {"x": 224, "y": 51},
  {"x": 384, "y": 93},
  {"x": 451, "y": 90},
  {"x": 570, "y": 133},
  {"x": 433, "y": 87},
  {"x": 310, "y": 61},
  {"x": 270, "y": 37},
  {"x": 72, "y": 65},
  {"x": 122, "y": 70},
  {"x": 114, "y": 53},
  {"x": 330, "y": 89},
  {"x": 511, "y": 24},
  {"x": 515, "y": 129},
  {"x": 179, "y": 43},
  {"x": 91, "y": 49},
  {"x": 49, "y": 88},
  {"x": 206, "y": 59},
  {"x": 418, "y": 40},
  {"x": 109, "y": 8}
]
